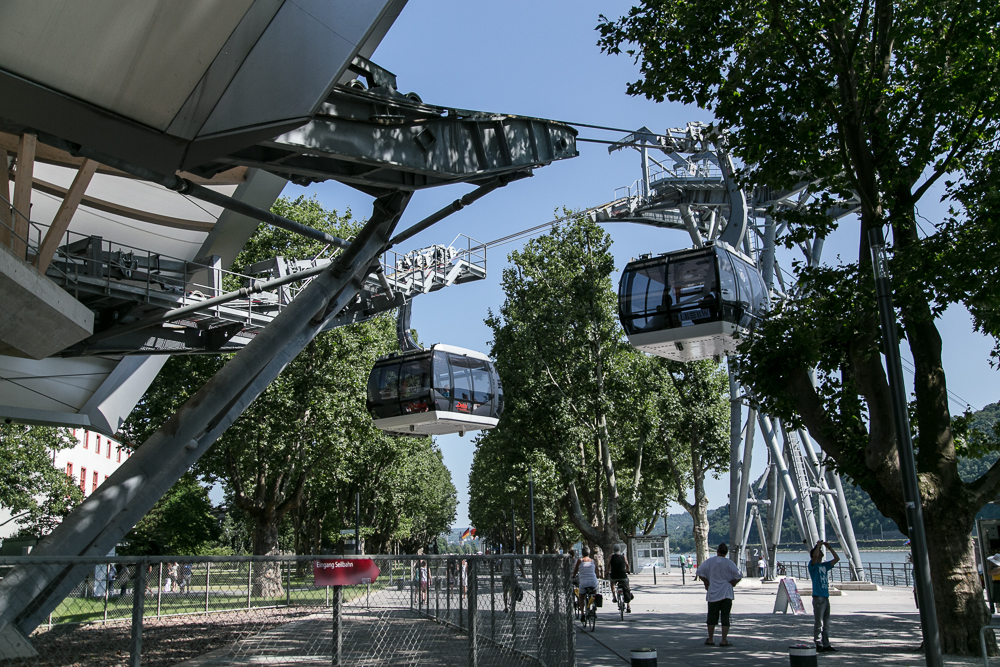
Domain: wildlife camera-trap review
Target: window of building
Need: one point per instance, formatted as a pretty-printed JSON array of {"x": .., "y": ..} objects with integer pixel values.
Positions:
[
  {"x": 83, "y": 480},
  {"x": 97, "y": 446},
  {"x": 119, "y": 454},
  {"x": 94, "y": 487},
  {"x": 86, "y": 439},
  {"x": 69, "y": 469},
  {"x": 107, "y": 454}
]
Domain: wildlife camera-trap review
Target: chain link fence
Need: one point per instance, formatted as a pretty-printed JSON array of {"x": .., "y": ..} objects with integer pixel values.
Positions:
[{"x": 222, "y": 611}]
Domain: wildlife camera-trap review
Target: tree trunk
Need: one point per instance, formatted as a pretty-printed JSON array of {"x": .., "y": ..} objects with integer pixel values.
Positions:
[
  {"x": 958, "y": 594},
  {"x": 267, "y": 575},
  {"x": 700, "y": 530}
]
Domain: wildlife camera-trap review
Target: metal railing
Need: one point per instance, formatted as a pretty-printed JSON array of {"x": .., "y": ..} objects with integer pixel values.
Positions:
[
  {"x": 92, "y": 268},
  {"x": 419, "y": 610},
  {"x": 883, "y": 574}
]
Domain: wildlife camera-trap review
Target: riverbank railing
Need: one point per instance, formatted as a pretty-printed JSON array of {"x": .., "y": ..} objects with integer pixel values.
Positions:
[{"x": 883, "y": 574}]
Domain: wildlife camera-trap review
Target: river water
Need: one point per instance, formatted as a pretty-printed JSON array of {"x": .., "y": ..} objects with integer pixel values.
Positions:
[
  {"x": 866, "y": 556},
  {"x": 803, "y": 556}
]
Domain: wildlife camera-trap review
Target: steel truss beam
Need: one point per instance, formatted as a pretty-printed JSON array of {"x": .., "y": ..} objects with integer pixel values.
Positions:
[{"x": 104, "y": 518}]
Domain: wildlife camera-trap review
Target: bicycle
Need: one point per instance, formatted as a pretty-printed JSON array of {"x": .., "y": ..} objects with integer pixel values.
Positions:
[
  {"x": 589, "y": 616},
  {"x": 620, "y": 589}
]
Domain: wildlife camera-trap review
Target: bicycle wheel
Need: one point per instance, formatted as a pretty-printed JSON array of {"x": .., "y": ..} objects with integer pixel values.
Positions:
[
  {"x": 621, "y": 603},
  {"x": 592, "y": 616}
]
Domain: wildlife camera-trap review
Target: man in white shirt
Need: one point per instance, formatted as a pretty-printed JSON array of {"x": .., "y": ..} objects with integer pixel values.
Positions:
[{"x": 719, "y": 574}]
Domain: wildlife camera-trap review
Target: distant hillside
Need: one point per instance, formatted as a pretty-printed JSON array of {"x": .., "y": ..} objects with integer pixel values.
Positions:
[
  {"x": 869, "y": 523},
  {"x": 985, "y": 421}
]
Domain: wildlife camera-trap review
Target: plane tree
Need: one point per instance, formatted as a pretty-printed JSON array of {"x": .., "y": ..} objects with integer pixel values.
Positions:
[
  {"x": 894, "y": 102},
  {"x": 311, "y": 416},
  {"x": 575, "y": 391},
  {"x": 692, "y": 435},
  {"x": 36, "y": 494},
  {"x": 498, "y": 484}
]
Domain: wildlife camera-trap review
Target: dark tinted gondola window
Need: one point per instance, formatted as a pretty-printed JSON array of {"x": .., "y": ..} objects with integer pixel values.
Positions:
[
  {"x": 762, "y": 304},
  {"x": 482, "y": 387},
  {"x": 691, "y": 281},
  {"x": 743, "y": 277},
  {"x": 388, "y": 383},
  {"x": 383, "y": 390},
  {"x": 693, "y": 289},
  {"x": 461, "y": 372},
  {"x": 644, "y": 296},
  {"x": 499, "y": 396},
  {"x": 727, "y": 278},
  {"x": 414, "y": 379},
  {"x": 441, "y": 381}
]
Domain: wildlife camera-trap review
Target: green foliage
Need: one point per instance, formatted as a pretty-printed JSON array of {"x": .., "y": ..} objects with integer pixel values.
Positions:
[
  {"x": 607, "y": 431},
  {"x": 180, "y": 523},
  {"x": 884, "y": 100},
  {"x": 307, "y": 443},
  {"x": 29, "y": 484},
  {"x": 571, "y": 387},
  {"x": 984, "y": 438}
]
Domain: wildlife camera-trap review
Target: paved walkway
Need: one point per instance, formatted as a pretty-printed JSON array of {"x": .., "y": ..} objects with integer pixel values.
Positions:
[{"x": 868, "y": 628}]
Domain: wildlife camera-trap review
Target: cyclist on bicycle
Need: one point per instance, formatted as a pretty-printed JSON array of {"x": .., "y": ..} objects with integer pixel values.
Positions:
[
  {"x": 586, "y": 569},
  {"x": 618, "y": 574}
]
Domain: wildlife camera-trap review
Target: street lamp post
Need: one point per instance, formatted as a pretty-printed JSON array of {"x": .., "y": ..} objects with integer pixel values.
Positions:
[
  {"x": 531, "y": 496},
  {"x": 907, "y": 464},
  {"x": 357, "y": 523},
  {"x": 513, "y": 528}
]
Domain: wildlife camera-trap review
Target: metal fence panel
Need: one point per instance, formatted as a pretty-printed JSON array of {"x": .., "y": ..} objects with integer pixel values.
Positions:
[{"x": 269, "y": 610}]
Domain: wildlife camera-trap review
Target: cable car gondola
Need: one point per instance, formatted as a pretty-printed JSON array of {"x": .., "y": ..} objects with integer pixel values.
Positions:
[
  {"x": 691, "y": 304},
  {"x": 435, "y": 391}
]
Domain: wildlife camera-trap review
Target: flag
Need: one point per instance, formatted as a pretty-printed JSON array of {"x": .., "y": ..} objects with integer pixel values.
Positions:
[{"x": 467, "y": 533}]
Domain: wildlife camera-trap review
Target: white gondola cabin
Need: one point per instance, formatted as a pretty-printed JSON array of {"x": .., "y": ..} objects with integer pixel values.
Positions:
[
  {"x": 691, "y": 304},
  {"x": 440, "y": 390}
]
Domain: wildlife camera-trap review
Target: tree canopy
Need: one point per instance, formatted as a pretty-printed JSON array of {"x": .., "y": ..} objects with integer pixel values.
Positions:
[
  {"x": 36, "y": 494},
  {"x": 307, "y": 444},
  {"x": 883, "y": 100},
  {"x": 607, "y": 431}
]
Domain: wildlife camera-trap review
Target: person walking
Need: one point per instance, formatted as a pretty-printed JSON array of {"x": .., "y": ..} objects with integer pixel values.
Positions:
[
  {"x": 171, "y": 577},
  {"x": 423, "y": 579},
  {"x": 819, "y": 571},
  {"x": 762, "y": 568},
  {"x": 185, "y": 581},
  {"x": 719, "y": 574}
]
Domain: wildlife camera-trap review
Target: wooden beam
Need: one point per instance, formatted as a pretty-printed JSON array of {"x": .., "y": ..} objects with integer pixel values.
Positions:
[
  {"x": 65, "y": 213},
  {"x": 22, "y": 194},
  {"x": 5, "y": 222}
]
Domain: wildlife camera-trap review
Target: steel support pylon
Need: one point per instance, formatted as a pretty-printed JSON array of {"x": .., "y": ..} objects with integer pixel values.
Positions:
[{"x": 106, "y": 516}]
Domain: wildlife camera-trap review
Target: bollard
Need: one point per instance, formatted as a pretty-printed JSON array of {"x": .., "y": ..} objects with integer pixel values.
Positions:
[
  {"x": 802, "y": 655},
  {"x": 654, "y": 574},
  {"x": 643, "y": 657}
]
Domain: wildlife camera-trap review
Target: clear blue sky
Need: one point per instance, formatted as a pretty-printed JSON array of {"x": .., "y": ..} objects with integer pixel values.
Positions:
[{"x": 540, "y": 59}]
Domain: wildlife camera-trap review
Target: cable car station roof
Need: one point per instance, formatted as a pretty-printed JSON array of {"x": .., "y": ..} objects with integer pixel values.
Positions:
[{"x": 238, "y": 96}]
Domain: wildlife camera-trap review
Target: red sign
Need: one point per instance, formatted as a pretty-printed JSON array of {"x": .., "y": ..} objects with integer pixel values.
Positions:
[{"x": 345, "y": 572}]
